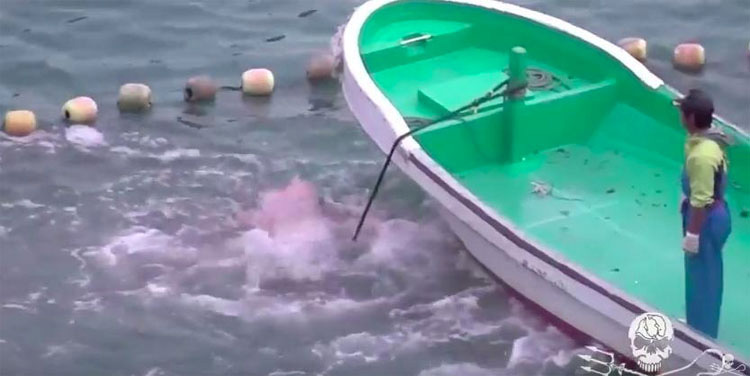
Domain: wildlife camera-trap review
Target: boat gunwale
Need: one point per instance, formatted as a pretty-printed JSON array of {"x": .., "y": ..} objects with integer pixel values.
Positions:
[{"x": 354, "y": 64}]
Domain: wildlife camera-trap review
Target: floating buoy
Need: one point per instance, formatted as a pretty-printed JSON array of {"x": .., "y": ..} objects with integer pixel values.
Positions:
[
  {"x": 80, "y": 110},
  {"x": 19, "y": 123},
  {"x": 321, "y": 66},
  {"x": 636, "y": 47},
  {"x": 200, "y": 88},
  {"x": 257, "y": 82},
  {"x": 689, "y": 57},
  {"x": 134, "y": 97}
]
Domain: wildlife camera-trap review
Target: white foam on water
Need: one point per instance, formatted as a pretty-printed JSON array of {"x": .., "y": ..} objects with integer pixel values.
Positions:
[
  {"x": 363, "y": 345},
  {"x": 166, "y": 156},
  {"x": 147, "y": 245},
  {"x": 245, "y": 158},
  {"x": 44, "y": 139},
  {"x": 89, "y": 303},
  {"x": 287, "y": 373},
  {"x": 222, "y": 306},
  {"x": 145, "y": 140},
  {"x": 84, "y": 136},
  {"x": 180, "y": 153},
  {"x": 452, "y": 317},
  {"x": 405, "y": 246},
  {"x": 85, "y": 279},
  {"x": 306, "y": 253},
  {"x": 124, "y": 150},
  {"x": 25, "y": 203},
  {"x": 67, "y": 349},
  {"x": 156, "y": 371},
  {"x": 541, "y": 346},
  {"x": 20, "y": 307},
  {"x": 392, "y": 235},
  {"x": 158, "y": 290},
  {"x": 268, "y": 351},
  {"x": 462, "y": 369},
  {"x": 415, "y": 329},
  {"x": 543, "y": 343},
  {"x": 337, "y": 47},
  {"x": 256, "y": 307}
]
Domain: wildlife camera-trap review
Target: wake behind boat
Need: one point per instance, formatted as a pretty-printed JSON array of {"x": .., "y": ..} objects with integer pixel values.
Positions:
[{"x": 564, "y": 187}]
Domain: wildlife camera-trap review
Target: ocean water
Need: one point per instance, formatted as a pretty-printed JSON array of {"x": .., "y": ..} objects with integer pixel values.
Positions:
[{"x": 152, "y": 248}]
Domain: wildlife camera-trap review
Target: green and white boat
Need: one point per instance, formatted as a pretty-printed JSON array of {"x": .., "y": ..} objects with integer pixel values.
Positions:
[{"x": 568, "y": 190}]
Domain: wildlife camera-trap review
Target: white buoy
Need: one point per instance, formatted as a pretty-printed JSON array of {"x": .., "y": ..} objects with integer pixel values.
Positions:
[
  {"x": 80, "y": 110},
  {"x": 19, "y": 123},
  {"x": 257, "y": 82},
  {"x": 200, "y": 88},
  {"x": 134, "y": 97},
  {"x": 321, "y": 66},
  {"x": 636, "y": 47},
  {"x": 689, "y": 57}
]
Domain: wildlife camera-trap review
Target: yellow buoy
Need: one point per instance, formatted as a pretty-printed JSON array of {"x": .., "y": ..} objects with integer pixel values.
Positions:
[
  {"x": 134, "y": 97},
  {"x": 636, "y": 47},
  {"x": 81, "y": 110},
  {"x": 19, "y": 123},
  {"x": 257, "y": 82},
  {"x": 321, "y": 66},
  {"x": 200, "y": 88},
  {"x": 689, "y": 57}
]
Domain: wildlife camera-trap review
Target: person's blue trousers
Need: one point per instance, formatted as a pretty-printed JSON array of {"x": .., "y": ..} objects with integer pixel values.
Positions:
[{"x": 704, "y": 271}]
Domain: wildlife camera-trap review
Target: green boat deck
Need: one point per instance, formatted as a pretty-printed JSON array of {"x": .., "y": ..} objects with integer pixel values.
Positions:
[{"x": 610, "y": 147}]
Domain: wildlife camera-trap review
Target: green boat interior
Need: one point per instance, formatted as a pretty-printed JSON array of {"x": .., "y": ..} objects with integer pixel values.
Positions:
[{"x": 609, "y": 148}]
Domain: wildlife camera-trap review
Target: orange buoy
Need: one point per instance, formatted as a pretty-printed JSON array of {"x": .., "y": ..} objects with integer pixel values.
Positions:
[
  {"x": 636, "y": 47},
  {"x": 258, "y": 81},
  {"x": 81, "y": 110},
  {"x": 19, "y": 123},
  {"x": 689, "y": 57},
  {"x": 200, "y": 88}
]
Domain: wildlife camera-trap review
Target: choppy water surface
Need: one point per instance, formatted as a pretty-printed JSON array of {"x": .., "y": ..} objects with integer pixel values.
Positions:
[{"x": 155, "y": 248}]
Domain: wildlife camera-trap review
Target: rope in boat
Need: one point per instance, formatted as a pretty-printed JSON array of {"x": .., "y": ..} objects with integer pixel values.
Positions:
[
  {"x": 424, "y": 123},
  {"x": 540, "y": 79}
]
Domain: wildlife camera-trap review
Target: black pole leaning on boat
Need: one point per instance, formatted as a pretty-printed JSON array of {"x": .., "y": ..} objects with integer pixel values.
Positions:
[{"x": 476, "y": 102}]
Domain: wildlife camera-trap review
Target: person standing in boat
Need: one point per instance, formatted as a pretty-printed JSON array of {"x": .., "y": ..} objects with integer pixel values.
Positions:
[{"x": 706, "y": 220}]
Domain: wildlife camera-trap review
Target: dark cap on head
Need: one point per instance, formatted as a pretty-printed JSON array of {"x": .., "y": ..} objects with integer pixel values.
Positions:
[
  {"x": 697, "y": 103},
  {"x": 697, "y": 100}
]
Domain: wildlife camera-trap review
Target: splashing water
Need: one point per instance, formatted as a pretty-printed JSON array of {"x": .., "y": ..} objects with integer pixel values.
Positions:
[{"x": 292, "y": 270}]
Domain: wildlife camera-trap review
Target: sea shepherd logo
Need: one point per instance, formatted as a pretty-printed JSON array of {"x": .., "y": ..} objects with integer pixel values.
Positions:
[{"x": 651, "y": 335}]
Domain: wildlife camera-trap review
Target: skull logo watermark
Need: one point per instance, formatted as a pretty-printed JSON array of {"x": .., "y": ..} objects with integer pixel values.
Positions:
[{"x": 651, "y": 337}]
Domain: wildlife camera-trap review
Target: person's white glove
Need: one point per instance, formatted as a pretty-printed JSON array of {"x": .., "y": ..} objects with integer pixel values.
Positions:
[{"x": 690, "y": 243}]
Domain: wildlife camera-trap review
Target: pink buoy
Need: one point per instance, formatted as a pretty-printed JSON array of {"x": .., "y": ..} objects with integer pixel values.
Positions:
[{"x": 689, "y": 57}]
